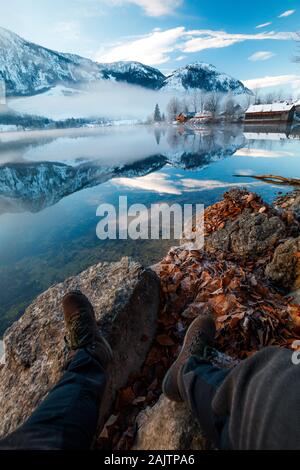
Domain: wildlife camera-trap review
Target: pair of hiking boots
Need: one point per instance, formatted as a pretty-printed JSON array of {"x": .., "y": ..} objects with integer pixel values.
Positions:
[{"x": 83, "y": 333}]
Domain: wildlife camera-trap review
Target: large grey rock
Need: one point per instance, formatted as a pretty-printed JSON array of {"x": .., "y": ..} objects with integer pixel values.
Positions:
[
  {"x": 284, "y": 269},
  {"x": 171, "y": 426},
  {"x": 250, "y": 234},
  {"x": 168, "y": 426},
  {"x": 126, "y": 300}
]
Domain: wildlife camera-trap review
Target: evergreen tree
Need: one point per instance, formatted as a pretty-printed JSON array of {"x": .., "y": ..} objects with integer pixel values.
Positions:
[{"x": 157, "y": 115}]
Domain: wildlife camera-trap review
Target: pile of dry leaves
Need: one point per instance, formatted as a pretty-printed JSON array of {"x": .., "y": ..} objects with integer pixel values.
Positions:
[
  {"x": 231, "y": 206},
  {"x": 287, "y": 201},
  {"x": 249, "y": 315}
]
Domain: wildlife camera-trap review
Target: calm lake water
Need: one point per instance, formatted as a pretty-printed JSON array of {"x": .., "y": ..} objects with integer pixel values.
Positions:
[{"x": 51, "y": 184}]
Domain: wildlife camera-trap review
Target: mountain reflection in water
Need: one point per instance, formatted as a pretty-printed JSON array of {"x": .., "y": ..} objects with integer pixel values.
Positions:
[
  {"x": 51, "y": 183},
  {"x": 29, "y": 183}
]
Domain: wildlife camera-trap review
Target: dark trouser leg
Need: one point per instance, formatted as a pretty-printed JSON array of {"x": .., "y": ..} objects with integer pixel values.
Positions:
[
  {"x": 255, "y": 405},
  {"x": 68, "y": 418},
  {"x": 200, "y": 381},
  {"x": 262, "y": 397}
]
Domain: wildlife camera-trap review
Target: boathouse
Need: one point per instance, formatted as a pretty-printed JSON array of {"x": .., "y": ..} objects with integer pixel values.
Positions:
[{"x": 271, "y": 113}]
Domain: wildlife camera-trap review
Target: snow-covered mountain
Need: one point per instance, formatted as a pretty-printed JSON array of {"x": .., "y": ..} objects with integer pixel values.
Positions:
[
  {"x": 134, "y": 73},
  {"x": 205, "y": 77},
  {"x": 29, "y": 69}
]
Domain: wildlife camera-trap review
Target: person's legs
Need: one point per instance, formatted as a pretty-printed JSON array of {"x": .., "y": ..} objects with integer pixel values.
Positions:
[
  {"x": 255, "y": 405},
  {"x": 68, "y": 418},
  {"x": 199, "y": 380},
  {"x": 193, "y": 379},
  {"x": 261, "y": 397}
]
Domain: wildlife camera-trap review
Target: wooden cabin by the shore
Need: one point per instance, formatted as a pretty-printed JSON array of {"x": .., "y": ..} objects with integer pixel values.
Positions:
[
  {"x": 184, "y": 117},
  {"x": 271, "y": 113},
  {"x": 194, "y": 118}
]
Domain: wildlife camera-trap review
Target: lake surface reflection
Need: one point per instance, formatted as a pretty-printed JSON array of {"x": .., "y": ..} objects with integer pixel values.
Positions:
[{"x": 51, "y": 183}]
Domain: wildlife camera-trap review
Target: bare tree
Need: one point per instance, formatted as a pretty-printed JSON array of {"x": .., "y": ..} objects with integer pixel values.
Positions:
[
  {"x": 173, "y": 108},
  {"x": 197, "y": 100},
  {"x": 193, "y": 100},
  {"x": 184, "y": 106},
  {"x": 279, "y": 96},
  {"x": 230, "y": 108},
  {"x": 149, "y": 119},
  {"x": 256, "y": 93},
  {"x": 212, "y": 103},
  {"x": 270, "y": 97},
  {"x": 246, "y": 102}
]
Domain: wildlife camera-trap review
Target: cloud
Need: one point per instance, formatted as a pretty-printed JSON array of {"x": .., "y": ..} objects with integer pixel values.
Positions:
[
  {"x": 208, "y": 39},
  {"x": 161, "y": 183},
  {"x": 152, "y": 48},
  {"x": 270, "y": 81},
  {"x": 201, "y": 185},
  {"x": 262, "y": 153},
  {"x": 244, "y": 172},
  {"x": 261, "y": 55},
  {"x": 155, "y": 48},
  {"x": 287, "y": 13},
  {"x": 152, "y": 7},
  {"x": 181, "y": 57},
  {"x": 156, "y": 182},
  {"x": 263, "y": 25}
]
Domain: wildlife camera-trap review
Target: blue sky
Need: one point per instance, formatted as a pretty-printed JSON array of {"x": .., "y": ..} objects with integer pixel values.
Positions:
[{"x": 252, "y": 41}]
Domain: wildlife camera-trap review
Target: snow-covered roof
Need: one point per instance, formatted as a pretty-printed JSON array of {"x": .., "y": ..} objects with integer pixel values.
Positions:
[
  {"x": 268, "y": 108},
  {"x": 203, "y": 114},
  {"x": 265, "y": 135}
]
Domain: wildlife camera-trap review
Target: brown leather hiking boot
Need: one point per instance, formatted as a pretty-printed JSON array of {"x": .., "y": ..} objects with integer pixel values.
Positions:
[
  {"x": 198, "y": 338},
  {"x": 82, "y": 328}
]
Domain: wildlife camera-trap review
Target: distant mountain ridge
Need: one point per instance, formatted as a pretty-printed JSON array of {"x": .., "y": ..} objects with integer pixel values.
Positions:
[
  {"x": 205, "y": 75},
  {"x": 29, "y": 69}
]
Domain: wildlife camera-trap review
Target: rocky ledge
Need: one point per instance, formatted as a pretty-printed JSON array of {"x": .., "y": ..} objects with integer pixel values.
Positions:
[
  {"x": 126, "y": 300},
  {"x": 243, "y": 276}
]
